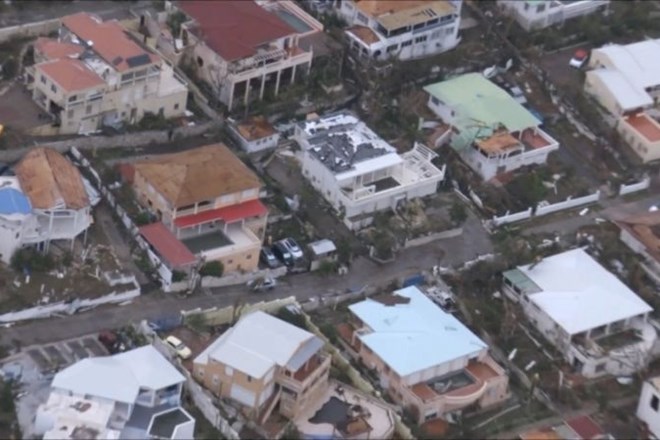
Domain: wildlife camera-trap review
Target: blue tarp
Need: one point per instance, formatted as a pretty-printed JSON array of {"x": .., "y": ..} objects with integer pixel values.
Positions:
[{"x": 13, "y": 201}]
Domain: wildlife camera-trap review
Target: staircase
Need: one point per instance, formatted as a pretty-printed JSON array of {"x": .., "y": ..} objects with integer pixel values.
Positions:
[{"x": 269, "y": 405}]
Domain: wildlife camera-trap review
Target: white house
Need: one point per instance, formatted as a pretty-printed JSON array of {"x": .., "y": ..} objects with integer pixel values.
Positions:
[
  {"x": 597, "y": 323},
  {"x": 539, "y": 14},
  {"x": 255, "y": 134},
  {"x": 136, "y": 394},
  {"x": 424, "y": 357},
  {"x": 648, "y": 408},
  {"x": 15, "y": 217},
  {"x": 402, "y": 29},
  {"x": 491, "y": 131},
  {"x": 359, "y": 173}
]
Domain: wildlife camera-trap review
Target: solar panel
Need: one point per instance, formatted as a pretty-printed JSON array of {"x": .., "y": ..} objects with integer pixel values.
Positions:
[{"x": 138, "y": 60}]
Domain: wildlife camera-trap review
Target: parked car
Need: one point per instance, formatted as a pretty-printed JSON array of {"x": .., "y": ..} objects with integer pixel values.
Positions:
[
  {"x": 293, "y": 248},
  {"x": 179, "y": 347},
  {"x": 579, "y": 59},
  {"x": 282, "y": 253},
  {"x": 261, "y": 284},
  {"x": 111, "y": 341},
  {"x": 268, "y": 258}
]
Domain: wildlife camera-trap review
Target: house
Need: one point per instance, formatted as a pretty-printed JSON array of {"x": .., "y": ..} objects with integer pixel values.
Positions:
[
  {"x": 401, "y": 29},
  {"x": 625, "y": 81},
  {"x": 135, "y": 394},
  {"x": 648, "y": 408},
  {"x": 577, "y": 428},
  {"x": 96, "y": 74},
  {"x": 424, "y": 357},
  {"x": 359, "y": 173},
  {"x": 490, "y": 130},
  {"x": 207, "y": 205},
  {"x": 262, "y": 361},
  {"x": 242, "y": 50},
  {"x": 255, "y": 134},
  {"x": 46, "y": 201},
  {"x": 641, "y": 233},
  {"x": 539, "y": 14},
  {"x": 598, "y": 324}
]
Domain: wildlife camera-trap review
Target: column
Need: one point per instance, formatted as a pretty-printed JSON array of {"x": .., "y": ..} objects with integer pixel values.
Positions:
[
  {"x": 277, "y": 83},
  {"x": 293, "y": 73},
  {"x": 263, "y": 83},
  {"x": 247, "y": 92},
  {"x": 230, "y": 102}
]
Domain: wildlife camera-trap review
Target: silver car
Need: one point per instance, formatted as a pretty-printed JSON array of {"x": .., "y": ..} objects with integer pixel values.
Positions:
[{"x": 293, "y": 248}]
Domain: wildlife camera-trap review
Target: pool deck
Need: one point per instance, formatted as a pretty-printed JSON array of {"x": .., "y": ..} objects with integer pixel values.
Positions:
[{"x": 381, "y": 417}]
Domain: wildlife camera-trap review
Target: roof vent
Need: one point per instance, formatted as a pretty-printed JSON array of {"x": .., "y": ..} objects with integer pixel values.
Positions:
[{"x": 90, "y": 43}]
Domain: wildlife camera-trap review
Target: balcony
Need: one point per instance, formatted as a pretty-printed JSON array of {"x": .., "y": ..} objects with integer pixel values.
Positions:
[
  {"x": 299, "y": 380},
  {"x": 268, "y": 62},
  {"x": 459, "y": 388},
  {"x": 534, "y": 139},
  {"x": 218, "y": 241}
]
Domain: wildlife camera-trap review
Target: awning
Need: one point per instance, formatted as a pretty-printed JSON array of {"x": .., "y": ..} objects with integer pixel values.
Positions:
[
  {"x": 167, "y": 245},
  {"x": 228, "y": 214}
]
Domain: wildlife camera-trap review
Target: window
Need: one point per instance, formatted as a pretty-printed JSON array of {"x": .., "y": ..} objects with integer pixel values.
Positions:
[
  {"x": 435, "y": 100},
  {"x": 655, "y": 402},
  {"x": 526, "y": 6},
  {"x": 176, "y": 106},
  {"x": 215, "y": 379},
  {"x": 249, "y": 257},
  {"x": 53, "y": 88},
  {"x": 88, "y": 110},
  {"x": 540, "y": 8},
  {"x": 249, "y": 378},
  {"x": 69, "y": 114},
  {"x": 72, "y": 98},
  {"x": 420, "y": 39},
  {"x": 200, "y": 62},
  {"x": 392, "y": 48},
  {"x": 43, "y": 79},
  {"x": 406, "y": 43},
  {"x": 600, "y": 367},
  {"x": 362, "y": 18}
]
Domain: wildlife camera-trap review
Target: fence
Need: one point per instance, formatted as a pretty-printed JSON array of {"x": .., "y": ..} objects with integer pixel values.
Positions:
[
  {"x": 238, "y": 278},
  {"x": 635, "y": 187},
  {"x": 567, "y": 204},
  {"x": 226, "y": 315},
  {"x": 29, "y": 29},
  {"x": 511, "y": 218},
  {"x": 70, "y": 308},
  {"x": 547, "y": 209},
  {"x": 164, "y": 273},
  {"x": 420, "y": 241}
]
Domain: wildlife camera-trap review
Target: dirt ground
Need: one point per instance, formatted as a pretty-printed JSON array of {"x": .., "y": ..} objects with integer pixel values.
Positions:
[{"x": 17, "y": 109}]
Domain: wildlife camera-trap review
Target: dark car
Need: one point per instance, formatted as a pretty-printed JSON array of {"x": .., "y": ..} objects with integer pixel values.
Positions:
[
  {"x": 283, "y": 254},
  {"x": 268, "y": 258}
]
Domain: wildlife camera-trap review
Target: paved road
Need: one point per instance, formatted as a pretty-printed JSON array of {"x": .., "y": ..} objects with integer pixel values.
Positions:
[{"x": 454, "y": 251}]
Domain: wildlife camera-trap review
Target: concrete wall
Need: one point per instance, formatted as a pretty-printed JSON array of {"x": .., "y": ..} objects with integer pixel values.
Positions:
[
  {"x": 421, "y": 241},
  {"x": 511, "y": 218},
  {"x": 29, "y": 29},
  {"x": 215, "y": 316},
  {"x": 240, "y": 278},
  {"x": 635, "y": 187},
  {"x": 567, "y": 204}
]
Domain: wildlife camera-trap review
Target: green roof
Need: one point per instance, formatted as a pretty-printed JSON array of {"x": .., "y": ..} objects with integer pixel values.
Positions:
[{"x": 481, "y": 107}]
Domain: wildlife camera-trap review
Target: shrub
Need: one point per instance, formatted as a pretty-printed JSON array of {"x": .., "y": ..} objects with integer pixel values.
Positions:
[
  {"x": 142, "y": 218},
  {"x": 330, "y": 332},
  {"x": 457, "y": 213},
  {"x": 296, "y": 319},
  {"x": 212, "y": 269},
  {"x": 177, "y": 276},
  {"x": 31, "y": 260}
]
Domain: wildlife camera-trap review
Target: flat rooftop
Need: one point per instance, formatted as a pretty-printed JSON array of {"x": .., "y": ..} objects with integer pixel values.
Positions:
[
  {"x": 341, "y": 141},
  {"x": 645, "y": 125}
]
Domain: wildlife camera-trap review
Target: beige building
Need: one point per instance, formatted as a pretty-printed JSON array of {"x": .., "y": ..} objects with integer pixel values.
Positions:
[
  {"x": 263, "y": 361},
  {"x": 243, "y": 50},
  {"x": 426, "y": 359},
  {"x": 207, "y": 205},
  {"x": 641, "y": 233},
  {"x": 95, "y": 73}
]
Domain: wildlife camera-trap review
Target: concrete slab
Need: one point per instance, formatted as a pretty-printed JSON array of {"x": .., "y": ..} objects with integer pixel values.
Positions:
[
  {"x": 94, "y": 346},
  {"x": 54, "y": 355},
  {"x": 78, "y": 350},
  {"x": 39, "y": 359}
]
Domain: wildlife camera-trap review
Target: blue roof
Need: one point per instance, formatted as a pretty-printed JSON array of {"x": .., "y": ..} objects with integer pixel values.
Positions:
[
  {"x": 12, "y": 201},
  {"x": 414, "y": 336}
]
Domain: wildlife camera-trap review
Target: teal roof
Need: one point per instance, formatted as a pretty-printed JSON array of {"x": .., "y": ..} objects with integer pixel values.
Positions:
[{"x": 481, "y": 107}]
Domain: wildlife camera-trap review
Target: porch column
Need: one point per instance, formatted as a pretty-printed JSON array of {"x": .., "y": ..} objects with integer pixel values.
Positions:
[
  {"x": 277, "y": 83},
  {"x": 230, "y": 102},
  {"x": 247, "y": 92},
  {"x": 607, "y": 328},
  {"x": 293, "y": 73},
  {"x": 263, "y": 83}
]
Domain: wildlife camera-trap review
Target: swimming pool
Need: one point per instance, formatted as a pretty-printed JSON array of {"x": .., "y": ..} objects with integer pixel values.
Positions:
[{"x": 293, "y": 21}]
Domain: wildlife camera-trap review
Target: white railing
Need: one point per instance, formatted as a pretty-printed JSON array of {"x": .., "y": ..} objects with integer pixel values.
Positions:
[
  {"x": 635, "y": 187},
  {"x": 567, "y": 204},
  {"x": 511, "y": 218}
]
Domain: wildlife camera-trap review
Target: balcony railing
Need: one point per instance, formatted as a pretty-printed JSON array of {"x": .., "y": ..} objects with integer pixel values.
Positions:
[{"x": 301, "y": 378}]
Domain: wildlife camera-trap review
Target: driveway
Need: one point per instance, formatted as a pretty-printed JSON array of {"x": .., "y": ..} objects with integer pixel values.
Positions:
[{"x": 17, "y": 109}]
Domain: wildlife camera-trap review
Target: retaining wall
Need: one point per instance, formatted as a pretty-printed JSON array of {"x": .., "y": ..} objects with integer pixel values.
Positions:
[
  {"x": 635, "y": 187},
  {"x": 29, "y": 29},
  {"x": 511, "y": 218},
  {"x": 238, "y": 278},
  {"x": 567, "y": 204},
  {"x": 420, "y": 241}
]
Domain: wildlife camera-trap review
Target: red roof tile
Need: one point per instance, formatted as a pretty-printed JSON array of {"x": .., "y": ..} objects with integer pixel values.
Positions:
[
  {"x": 234, "y": 29},
  {"x": 53, "y": 49},
  {"x": 109, "y": 40},
  {"x": 70, "y": 74},
  {"x": 167, "y": 245},
  {"x": 586, "y": 428},
  {"x": 228, "y": 214}
]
